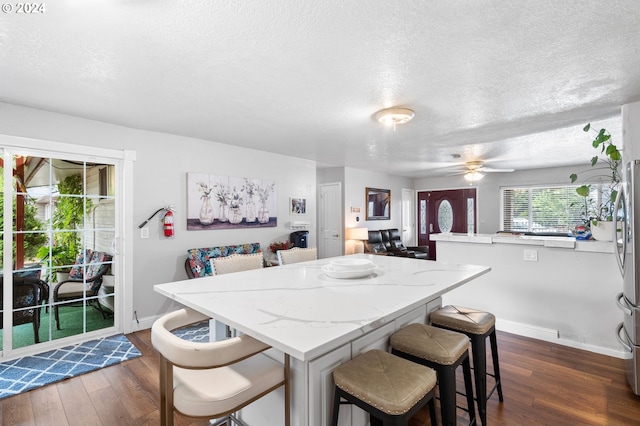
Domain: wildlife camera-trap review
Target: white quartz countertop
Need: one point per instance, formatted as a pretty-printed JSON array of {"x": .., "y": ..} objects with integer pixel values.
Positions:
[
  {"x": 530, "y": 240},
  {"x": 300, "y": 310}
]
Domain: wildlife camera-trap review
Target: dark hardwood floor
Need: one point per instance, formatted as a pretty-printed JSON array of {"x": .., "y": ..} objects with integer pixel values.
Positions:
[{"x": 543, "y": 384}]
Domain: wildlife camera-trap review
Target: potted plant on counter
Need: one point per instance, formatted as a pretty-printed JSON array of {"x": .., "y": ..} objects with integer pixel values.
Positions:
[{"x": 605, "y": 170}]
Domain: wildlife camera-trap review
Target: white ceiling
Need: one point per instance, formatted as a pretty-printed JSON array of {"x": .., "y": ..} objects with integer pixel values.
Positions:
[{"x": 511, "y": 83}]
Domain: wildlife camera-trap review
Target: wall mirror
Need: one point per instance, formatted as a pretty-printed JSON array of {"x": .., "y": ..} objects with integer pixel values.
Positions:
[{"x": 378, "y": 204}]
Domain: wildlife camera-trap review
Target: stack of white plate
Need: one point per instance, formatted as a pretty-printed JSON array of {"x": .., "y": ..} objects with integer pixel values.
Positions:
[{"x": 349, "y": 268}]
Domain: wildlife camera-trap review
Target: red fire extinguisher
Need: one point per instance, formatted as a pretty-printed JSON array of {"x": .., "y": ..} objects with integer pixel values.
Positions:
[{"x": 168, "y": 224}]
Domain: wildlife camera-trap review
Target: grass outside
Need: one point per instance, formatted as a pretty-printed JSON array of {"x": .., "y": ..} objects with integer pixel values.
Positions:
[{"x": 71, "y": 323}]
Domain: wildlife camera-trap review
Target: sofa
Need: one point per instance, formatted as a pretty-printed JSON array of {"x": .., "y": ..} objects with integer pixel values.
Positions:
[{"x": 388, "y": 242}]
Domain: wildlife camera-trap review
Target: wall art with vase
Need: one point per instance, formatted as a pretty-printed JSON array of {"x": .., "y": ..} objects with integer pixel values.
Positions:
[{"x": 227, "y": 202}]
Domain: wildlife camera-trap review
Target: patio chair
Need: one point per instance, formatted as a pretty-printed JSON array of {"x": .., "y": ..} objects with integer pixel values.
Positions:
[
  {"x": 27, "y": 302},
  {"x": 84, "y": 280}
]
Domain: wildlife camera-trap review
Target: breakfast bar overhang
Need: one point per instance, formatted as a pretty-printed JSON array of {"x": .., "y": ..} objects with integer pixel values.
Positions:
[{"x": 320, "y": 321}]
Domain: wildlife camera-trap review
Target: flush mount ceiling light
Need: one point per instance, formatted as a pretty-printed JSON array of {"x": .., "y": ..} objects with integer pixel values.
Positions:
[
  {"x": 473, "y": 176},
  {"x": 394, "y": 116}
]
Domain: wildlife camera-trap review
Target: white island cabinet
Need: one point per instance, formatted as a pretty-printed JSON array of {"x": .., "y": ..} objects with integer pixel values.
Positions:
[{"x": 321, "y": 322}]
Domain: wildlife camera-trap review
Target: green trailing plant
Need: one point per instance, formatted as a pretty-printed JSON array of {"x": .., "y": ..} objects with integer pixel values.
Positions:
[
  {"x": 605, "y": 168},
  {"x": 68, "y": 216},
  {"x": 32, "y": 240}
]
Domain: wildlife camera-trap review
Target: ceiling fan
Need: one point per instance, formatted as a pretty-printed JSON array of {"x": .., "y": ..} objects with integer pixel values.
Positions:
[{"x": 475, "y": 170}]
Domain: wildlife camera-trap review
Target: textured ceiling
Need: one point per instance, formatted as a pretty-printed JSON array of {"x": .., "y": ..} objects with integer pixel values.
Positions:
[{"x": 511, "y": 83}]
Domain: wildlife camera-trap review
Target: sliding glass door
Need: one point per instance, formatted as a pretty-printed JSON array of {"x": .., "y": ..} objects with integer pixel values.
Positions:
[{"x": 59, "y": 256}]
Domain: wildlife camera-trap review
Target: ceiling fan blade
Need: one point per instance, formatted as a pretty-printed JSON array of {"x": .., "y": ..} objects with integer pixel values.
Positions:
[{"x": 490, "y": 170}]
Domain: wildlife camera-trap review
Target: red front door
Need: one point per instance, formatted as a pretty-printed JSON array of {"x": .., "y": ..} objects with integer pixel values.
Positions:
[{"x": 445, "y": 211}]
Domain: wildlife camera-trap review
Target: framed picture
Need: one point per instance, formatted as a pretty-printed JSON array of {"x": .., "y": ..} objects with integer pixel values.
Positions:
[
  {"x": 230, "y": 202},
  {"x": 298, "y": 205},
  {"x": 378, "y": 202}
]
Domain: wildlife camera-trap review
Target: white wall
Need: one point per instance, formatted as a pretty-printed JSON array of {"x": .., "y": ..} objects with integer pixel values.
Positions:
[
  {"x": 160, "y": 176},
  {"x": 356, "y": 181},
  {"x": 631, "y": 131}
]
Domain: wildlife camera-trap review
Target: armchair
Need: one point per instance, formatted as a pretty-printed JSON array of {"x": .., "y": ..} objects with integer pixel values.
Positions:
[
  {"x": 27, "y": 302},
  {"x": 84, "y": 280},
  {"x": 389, "y": 242},
  {"x": 395, "y": 241},
  {"x": 375, "y": 244}
]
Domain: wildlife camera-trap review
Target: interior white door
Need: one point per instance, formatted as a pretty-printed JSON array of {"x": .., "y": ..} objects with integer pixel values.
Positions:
[
  {"x": 408, "y": 217},
  {"x": 330, "y": 242}
]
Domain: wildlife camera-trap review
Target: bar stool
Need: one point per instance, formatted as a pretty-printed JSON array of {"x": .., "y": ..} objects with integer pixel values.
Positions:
[
  {"x": 444, "y": 351},
  {"x": 477, "y": 325},
  {"x": 389, "y": 388}
]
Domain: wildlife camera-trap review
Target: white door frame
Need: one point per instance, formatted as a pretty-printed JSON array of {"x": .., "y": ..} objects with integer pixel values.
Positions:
[
  {"x": 409, "y": 234},
  {"x": 123, "y": 270}
]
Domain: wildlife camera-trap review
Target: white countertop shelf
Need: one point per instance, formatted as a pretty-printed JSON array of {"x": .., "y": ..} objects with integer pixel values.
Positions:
[{"x": 528, "y": 240}]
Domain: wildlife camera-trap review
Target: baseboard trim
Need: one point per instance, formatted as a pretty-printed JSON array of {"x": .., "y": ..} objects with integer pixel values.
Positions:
[
  {"x": 552, "y": 336},
  {"x": 142, "y": 324}
]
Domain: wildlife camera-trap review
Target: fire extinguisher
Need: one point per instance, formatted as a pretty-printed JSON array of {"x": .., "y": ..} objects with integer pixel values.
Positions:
[{"x": 167, "y": 222}]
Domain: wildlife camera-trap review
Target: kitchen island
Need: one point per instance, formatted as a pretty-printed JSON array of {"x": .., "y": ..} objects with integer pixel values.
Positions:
[{"x": 320, "y": 321}]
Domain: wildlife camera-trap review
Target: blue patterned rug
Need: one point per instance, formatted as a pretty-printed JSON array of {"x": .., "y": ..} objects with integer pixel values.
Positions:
[
  {"x": 198, "y": 332},
  {"x": 30, "y": 372}
]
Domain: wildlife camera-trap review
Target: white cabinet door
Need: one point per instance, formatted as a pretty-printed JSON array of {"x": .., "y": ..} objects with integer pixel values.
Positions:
[
  {"x": 432, "y": 306},
  {"x": 377, "y": 339},
  {"x": 321, "y": 388},
  {"x": 418, "y": 315}
]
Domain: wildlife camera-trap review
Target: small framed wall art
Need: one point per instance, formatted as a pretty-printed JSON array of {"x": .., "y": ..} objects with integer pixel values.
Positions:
[{"x": 298, "y": 205}]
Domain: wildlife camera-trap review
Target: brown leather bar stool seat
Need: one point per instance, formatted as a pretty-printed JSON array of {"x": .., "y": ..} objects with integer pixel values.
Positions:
[
  {"x": 389, "y": 388},
  {"x": 442, "y": 350},
  {"x": 477, "y": 325}
]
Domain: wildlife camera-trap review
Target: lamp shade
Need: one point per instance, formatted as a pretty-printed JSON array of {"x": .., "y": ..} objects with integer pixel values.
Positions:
[{"x": 357, "y": 234}]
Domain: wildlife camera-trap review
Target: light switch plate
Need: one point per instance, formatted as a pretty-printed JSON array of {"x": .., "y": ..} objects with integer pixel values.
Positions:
[
  {"x": 144, "y": 232},
  {"x": 530, "y": 255}
]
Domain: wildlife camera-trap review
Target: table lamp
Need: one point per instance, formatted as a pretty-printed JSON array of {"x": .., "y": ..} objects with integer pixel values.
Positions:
[{"x": 358, "y": 235}]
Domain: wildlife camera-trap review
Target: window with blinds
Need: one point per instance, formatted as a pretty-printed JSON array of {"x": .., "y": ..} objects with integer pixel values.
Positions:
[{"x": 543, "y": 208}]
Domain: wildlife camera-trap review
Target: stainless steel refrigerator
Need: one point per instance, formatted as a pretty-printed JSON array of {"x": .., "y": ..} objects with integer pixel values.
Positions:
[{"x": 627, "y": 221}]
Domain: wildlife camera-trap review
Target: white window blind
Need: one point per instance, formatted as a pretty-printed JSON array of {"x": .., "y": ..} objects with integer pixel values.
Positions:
[{"x": 543, "y": 208}]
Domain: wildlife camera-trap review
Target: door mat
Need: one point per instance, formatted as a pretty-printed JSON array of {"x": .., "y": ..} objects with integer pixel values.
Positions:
[{"x": 31, "y": 372}]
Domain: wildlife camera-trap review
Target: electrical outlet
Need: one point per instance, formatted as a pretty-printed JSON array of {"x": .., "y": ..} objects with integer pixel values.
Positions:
[
  {"x": 531, "y": 255},
  {"x": 144, "y": 232}
]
